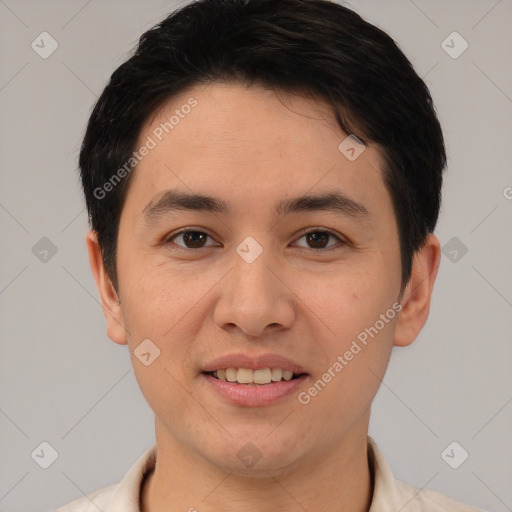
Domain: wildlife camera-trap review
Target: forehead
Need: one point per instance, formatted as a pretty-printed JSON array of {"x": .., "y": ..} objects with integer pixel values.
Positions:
[{"x": 236, "y": 141}]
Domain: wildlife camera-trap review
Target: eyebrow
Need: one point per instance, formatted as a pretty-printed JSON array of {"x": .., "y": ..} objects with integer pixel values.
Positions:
[
  {"x": 332, "y": 201},
  {"x": 172, "y": 200}
]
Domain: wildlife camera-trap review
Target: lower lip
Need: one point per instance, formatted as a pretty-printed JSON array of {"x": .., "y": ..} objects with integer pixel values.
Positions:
[{"x": 254, "y": 395}]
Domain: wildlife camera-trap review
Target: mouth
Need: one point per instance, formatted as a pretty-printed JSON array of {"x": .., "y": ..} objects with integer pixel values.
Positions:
[
  {"x": 253, "y": 377},
  {"x": 245, "y": 387},
  {"x": 246, "y": 380}
]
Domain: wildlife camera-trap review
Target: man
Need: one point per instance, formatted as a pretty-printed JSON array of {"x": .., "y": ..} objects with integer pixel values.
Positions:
[{"x": 263, "y": 180}]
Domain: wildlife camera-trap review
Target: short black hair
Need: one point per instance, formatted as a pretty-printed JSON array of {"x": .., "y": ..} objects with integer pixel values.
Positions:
[{"x": 316, "y": 48}]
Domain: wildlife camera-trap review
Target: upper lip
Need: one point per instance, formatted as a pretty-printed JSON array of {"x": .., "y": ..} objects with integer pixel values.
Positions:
[{"x": 254, "y": 362}]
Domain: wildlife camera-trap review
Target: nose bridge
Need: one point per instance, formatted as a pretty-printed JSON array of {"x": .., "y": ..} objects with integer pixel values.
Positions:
[
  {"x": 254, "y": 298},
  {"x": 252, "y": 277},
  {"x": 253, "y": 287}
]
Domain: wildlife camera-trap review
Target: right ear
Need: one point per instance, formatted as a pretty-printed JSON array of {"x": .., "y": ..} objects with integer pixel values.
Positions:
[{"x": 110, "y": 302}]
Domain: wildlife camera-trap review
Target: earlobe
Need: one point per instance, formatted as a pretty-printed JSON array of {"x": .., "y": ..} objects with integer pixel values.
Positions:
[
  {"x": 110, "y": 302},
  {"x": 418, "y": 293}
]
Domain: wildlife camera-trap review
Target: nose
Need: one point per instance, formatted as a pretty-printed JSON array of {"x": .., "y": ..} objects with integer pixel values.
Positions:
[{"x": 255, "y": 298}]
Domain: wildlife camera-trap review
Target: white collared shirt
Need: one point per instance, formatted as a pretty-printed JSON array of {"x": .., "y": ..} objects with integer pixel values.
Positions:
[{"x": 389, "y": 495}]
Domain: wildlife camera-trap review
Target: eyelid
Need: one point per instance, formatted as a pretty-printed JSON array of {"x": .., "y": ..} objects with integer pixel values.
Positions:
[
  {"x": 306, "y": 231},
  {"x": 303, "y": 232},
  {"x": 168, "y": 239}
]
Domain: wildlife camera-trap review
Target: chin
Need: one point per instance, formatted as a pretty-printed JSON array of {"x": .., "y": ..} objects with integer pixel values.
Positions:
[{"x": 254, "y": 457}]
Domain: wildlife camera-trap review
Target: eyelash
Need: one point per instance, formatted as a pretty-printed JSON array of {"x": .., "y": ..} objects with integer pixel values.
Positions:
[{"x": 169, "y": 240}]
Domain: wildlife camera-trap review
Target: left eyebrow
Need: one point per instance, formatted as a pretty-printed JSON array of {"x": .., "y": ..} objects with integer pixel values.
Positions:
[{"x": 333, "y": 201}]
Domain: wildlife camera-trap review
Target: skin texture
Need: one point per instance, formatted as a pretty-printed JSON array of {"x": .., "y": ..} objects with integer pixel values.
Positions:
[{"x": 252, "y": 148}]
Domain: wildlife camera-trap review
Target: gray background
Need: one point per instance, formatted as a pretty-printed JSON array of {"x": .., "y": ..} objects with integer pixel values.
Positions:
[{"x": 64, "y": 382}]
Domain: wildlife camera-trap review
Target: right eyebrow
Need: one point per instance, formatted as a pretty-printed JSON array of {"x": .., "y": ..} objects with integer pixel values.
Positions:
[{"x": 172, "y": 200}]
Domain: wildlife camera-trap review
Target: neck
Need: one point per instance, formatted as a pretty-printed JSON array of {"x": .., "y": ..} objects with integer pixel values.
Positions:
[{"x": 333, "y": 481}]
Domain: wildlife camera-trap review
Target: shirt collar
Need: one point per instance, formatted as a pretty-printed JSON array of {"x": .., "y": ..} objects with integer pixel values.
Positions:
[
  {"x": 126, "y": 497},
  {"x": 385, "y": 494}
]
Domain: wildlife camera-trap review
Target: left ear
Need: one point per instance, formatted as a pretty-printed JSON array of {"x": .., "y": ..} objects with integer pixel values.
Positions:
[{"x": 417, "y": 295}]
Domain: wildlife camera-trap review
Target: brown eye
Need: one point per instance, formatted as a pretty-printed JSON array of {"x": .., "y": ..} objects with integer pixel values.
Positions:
[
  {"x": 319, "y": 240},
  {"x": 194, "y": 239},
  {"x": 190, "y": 239}
]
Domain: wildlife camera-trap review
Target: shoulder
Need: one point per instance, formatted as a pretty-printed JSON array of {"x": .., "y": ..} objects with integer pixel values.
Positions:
[
  {"x": 122, "y": 496},
  {"x": 391, "y": 495},
  {"x": 423, "y": 500},
  {"x": 90, "y": 503}
]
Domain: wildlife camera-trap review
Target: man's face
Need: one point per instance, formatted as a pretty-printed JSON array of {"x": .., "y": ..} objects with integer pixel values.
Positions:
[{"x": 261, "y": 276}]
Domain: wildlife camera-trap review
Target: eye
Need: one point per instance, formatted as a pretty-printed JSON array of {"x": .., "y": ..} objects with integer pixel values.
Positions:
[
  {"x": 319, "y": 239},
  {"x": 190, "y": 239}
]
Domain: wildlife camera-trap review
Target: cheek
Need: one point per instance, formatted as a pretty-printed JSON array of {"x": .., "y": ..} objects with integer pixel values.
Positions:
[
  {"x": 158, "y": 300},
  {"x": 163, "y": 308},
  {"x": 355, "y": 341},
  {"x": 348, "y": 301},
  {"x": 356, "y": 345}
]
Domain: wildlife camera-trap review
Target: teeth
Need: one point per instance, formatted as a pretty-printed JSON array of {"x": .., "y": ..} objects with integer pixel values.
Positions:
[
  {"x": 262, "y": 376},
  {"x": 245, "y": 376},
  {"x": 277, "y": 374},
  {"x": 287, "y": 374},
  {"x": 231, "y": 374},
  {"x": 249, "y": 376}
]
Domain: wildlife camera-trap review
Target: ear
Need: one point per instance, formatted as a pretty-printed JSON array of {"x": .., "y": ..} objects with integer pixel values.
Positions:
[
  {"x": 417, "y": 295},
  {"x": 109, "y": 299}
]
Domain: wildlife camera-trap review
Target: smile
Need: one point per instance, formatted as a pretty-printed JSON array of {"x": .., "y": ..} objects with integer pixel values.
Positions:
[
  {"x": 249, "y": 376},
  {"x": 245, "y": 391}
]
